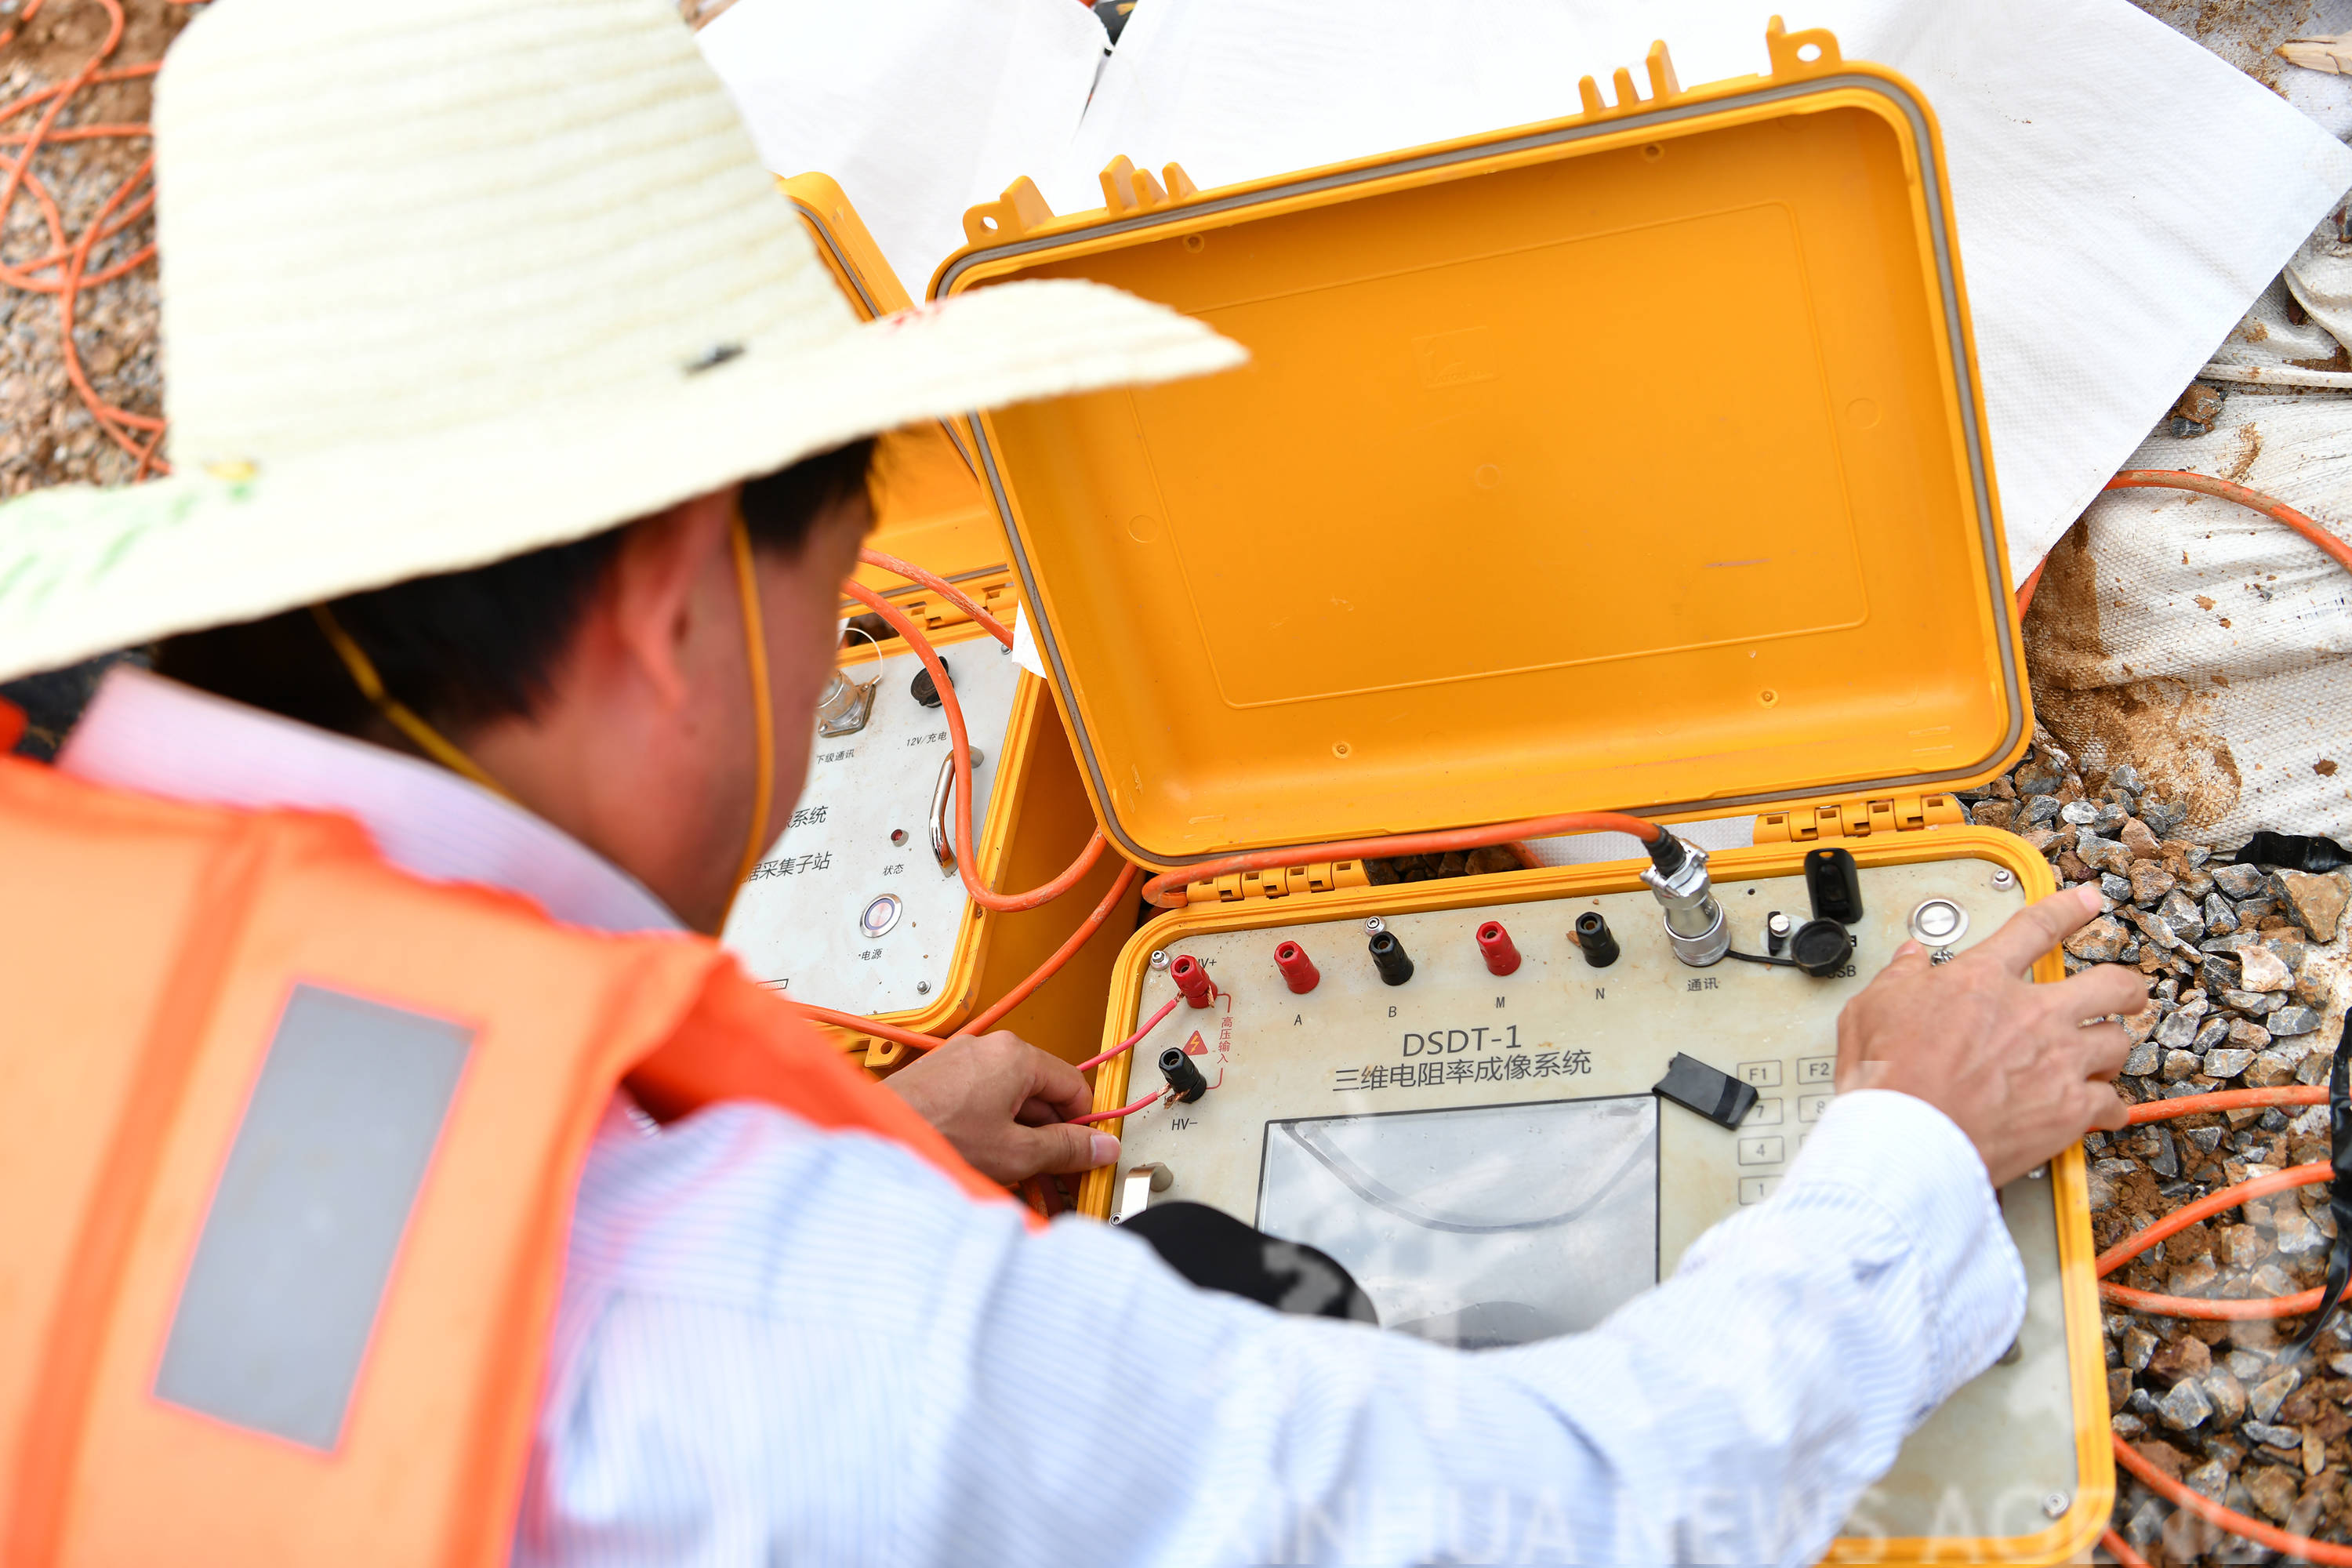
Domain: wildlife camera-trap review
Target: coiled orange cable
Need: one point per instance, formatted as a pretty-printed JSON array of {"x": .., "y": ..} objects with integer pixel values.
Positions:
[
  {"x": 63, "y": 272},
  {"x": 2178, "y": 1493}
]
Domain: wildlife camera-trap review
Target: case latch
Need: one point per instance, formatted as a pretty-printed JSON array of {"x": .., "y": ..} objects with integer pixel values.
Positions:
[
  {"x": 1127, "y": 189},
  {"x": 1808, "y": 53},
  {"x": 1278, "y": 882},
  {"x": 937, "y": 613},
  {"x": 1858, "y": 818},
  {"x": 1021, "y": 208}
]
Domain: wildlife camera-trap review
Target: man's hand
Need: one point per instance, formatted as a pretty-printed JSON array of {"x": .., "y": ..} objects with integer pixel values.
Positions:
[
  {"x": 2011, "y": 1062},
  {"x": 1005, "y": 1105}
]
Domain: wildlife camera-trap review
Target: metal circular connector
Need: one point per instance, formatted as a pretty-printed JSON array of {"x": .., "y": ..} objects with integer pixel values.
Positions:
[
  {"x": 881, "y": 915},
  {"x": 1938, "y": 922},
  {"x": 1708, "y": 946}
]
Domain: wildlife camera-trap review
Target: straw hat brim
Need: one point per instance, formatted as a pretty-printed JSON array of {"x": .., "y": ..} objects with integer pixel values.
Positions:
[{"x": 85, "y": 570}]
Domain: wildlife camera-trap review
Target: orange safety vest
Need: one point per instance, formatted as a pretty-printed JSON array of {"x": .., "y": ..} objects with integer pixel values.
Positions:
[{"x": 291, "y": 1145}]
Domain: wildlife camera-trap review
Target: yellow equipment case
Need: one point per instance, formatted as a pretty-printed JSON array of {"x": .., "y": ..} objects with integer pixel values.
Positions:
[
  {"x": 856, "y": 908},
  {"x": 1631, "y": 461}
]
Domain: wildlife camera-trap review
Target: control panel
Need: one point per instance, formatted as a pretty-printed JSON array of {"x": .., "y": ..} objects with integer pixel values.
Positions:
[
  {"x": 858, "y": 906},
  {"x": 1464, "y": 1106}
]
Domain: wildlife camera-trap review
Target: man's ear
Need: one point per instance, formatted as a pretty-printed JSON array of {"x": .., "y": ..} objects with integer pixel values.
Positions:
[{"x": 652, "y": 593}]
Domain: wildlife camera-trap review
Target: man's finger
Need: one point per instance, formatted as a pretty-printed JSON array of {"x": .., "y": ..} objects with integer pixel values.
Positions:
[
  {"x": 1910, "y": 955},
  {"x": 2037, "y": 928},
  {"x": 2107, "y": 1112},
  {"x": 2103, "y": 1048},
  {"x": 2096, "y": 992},
  {"x": 1059, "y": 1085},
  {"x": 1063, "y": 1149}
]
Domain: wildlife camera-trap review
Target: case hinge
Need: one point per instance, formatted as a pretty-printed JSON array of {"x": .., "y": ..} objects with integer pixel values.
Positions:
[
  {"x": 1858, "y": 818},
  {"x": 1279, "y": 883}
]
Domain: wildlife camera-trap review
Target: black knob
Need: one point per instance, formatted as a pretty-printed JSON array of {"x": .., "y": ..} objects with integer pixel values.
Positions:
[
  {"x": 1820, "y": 948},
  {"x": 926, "y": 690},
  {"x": 1390, "y": 958},
  {"x": 1184, "y": 1074},
  {"x": 1592, "y": 936}
]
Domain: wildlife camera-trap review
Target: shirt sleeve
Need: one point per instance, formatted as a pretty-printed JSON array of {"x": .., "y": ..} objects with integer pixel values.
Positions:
[{"x": 779, "y": 1345}]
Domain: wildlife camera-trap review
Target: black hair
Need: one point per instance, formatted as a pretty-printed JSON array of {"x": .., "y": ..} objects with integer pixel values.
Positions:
[{"x": 466, "y": 647}]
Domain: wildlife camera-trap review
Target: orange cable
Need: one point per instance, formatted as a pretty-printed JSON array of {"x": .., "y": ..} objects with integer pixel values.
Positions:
[
  {"x": 941, "y": 586},
  {"x": 2181, "y": 480},
  {"x": 859, "y": 1025},
  {"x": 960, "y": 758},
  {"x": 2226, "y": 1100},
  {"x": 1167, "y": 889},
  {"x": 2181, "y": 1218},
  {"x": 2121, "y": 1551},
  {"x": 986, "y": 1019},
  {"x": 2301, "y": 1548}
]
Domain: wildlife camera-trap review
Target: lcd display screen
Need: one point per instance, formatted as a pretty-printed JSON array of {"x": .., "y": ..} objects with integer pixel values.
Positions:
[{"x": 1480, "y": 1226}]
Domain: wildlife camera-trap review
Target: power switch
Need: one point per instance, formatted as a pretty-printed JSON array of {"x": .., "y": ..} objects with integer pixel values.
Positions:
[{"x": 1717, "y": 1096}]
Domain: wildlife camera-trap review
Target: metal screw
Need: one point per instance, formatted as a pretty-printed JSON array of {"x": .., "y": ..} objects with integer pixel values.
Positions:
[
  {"x": 922, "y": 988},
  {"x": 1160, "y": 959},
  {"x": 2003, "y": 880},
  {"x": 1373, "y": 926},
  {"x": 977, "y": 756},
  {"x": 2054, "y": 1505}
]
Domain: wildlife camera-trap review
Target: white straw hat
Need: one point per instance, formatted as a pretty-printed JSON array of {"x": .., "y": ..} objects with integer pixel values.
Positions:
[{"x": 445, "y": 281}]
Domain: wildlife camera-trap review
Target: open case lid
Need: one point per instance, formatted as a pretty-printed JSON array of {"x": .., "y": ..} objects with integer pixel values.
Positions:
[
  {"x": 929, "y": 504},
  {"x": 1632, "y": 461}
]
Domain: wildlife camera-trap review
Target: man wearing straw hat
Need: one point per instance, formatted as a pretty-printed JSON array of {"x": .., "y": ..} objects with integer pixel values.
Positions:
[{"x": 398, "y": 1178}]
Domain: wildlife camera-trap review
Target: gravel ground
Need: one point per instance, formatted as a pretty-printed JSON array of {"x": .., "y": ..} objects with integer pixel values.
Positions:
[
  {"x": 2250, "y": 977},
  {"x": 46, "y": 436}
]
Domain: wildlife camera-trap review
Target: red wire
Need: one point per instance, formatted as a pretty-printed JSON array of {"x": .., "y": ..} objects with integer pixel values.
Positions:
[
  {"x": 941, "y": 586},
  {"x": 1129, "y": 1044},
  {"x": 1001, "y": 903},
  {"x": 1115, "y": 1115}
]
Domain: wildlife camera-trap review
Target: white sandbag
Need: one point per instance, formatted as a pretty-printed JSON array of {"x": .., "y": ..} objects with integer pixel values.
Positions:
[{"x": 2203, "y": 643}]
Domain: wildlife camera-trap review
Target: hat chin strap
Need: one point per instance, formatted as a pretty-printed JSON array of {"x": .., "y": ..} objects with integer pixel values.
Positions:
[
  {"x": 763, "y": 718},
  {"x": 403, "y": 718},
  {"x": 450, "y": 756}
]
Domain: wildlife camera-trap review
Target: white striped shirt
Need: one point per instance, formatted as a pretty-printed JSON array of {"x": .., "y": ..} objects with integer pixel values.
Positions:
[{"x": 781, "y": 1345}]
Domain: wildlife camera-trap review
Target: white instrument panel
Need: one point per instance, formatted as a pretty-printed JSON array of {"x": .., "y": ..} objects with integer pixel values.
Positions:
[
  {"x": 1484, "y": 1152},
  {"x": 814, "y": 921}
]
